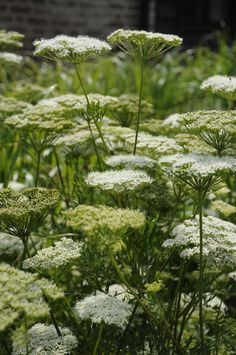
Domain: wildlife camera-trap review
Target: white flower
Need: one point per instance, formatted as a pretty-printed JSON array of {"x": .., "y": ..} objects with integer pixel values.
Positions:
[
  {"x": 10, "y": 58},
  {"x": 153, "y": 146},
  {"x": 65, "y": 252},
  {"x": 130, "y": 161},
  {"x": 70, "y": 49},
  {"x": 172, "y": 120},
  {"x": 142, "y": 43},
  {"x": 119, "y": 181},
  {"x": 102, "y": 307},
  {"x": 91, "y": 219},
  {"x": 197, "y": 165},
  {"x": 221, "y": 85},
  {"x": 10, "y": 245},
  {"x": 219, "y": 240},
  {"x": 44, "y": 340}
]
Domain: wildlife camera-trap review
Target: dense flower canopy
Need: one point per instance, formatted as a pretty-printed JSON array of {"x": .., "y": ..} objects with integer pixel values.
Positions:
[
  {"x": 144, "y": 44},
  {"x": 23, "y": 292},
  {"x": 70, "y": 49}
]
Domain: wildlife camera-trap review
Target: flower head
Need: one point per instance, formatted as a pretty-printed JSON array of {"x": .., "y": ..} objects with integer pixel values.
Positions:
[
  {"x": 219, "y": 241},
  {"x": 194, "y": 168},
  {"x": 91, "y": 219},
  {"x": 44, "y": 340},
  {"x": 63, "y": 253},
  {"x": 221, "y": 85},
  {"x": 10, "y": 106},
  {"x": 70, "y": 49},
  {"x": 143, "y": 44},
  {"x": 102, "y": 307},
  {"x": 22, "y": 211},
  {"x": 10, "y": 58},
  {"x": 130, "y": 161},
  {"x": 23, "y": 292},
  {"x": 119, "y": 181},
  {"x": 10, "y": 39}
]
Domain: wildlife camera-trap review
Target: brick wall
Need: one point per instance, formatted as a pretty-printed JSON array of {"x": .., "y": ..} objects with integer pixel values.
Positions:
[{"x": 46, "y": 18}]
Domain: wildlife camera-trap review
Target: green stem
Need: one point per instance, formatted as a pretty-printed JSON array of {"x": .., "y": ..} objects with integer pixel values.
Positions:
[
  {"x": 37, "y": 168},
  {"x": 95, "y": 146},
  {"x": 141, "y": 303},
  {"x": 88, "y": 103},
  {"x": 201, "y": 274},
  {"x": 139, "y": 105},
  {"x": 98, "y": 338},
  {"x": 59, "y": 171}
]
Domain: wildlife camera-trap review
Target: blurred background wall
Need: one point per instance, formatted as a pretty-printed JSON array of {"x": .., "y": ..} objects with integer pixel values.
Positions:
[{"x": 192, "y": 19}]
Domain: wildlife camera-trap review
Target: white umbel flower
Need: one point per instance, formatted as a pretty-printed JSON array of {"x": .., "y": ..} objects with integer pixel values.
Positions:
[
  {"x": 222, "y": 85},
  {"x": 119, "y": 181},
  {"x": 197, "y": 165},
  {"x": 102, "y": 307},
  {"x": 219, "y": 240},
  {"x": 142, "y": 43},
  {"x": 172, "y": 120},
  {"x": 44, "y": 340},
  {"x": 65, "y": 252},
  {"x": 70, "y": 49},
  {"x": 10, "y": 58},
  {"x": 130, "y": 161}
]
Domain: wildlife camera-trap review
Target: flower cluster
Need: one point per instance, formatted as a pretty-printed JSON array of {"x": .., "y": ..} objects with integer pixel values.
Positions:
[
  {"x": 10, "y": 245},
  {"x": 10, "y": 106},
  {"x": 91, "y": 219},
  {"x": 10, "y": 58},
  {"x": 44, "y": 340},
  {"x": 102, "y": 307},
  {"x": 143, "y": 44},
  {"x": 22, "y": 211},
  {"x": 153, "y": 146},
  {"x": 216, "y": 128},
  {"x": 119, "y": 181},
  {"x": 70, "y": 49},
  {"x": 196, "y": 166},
  {"x": 224, "y": 86},
  {"x": 10, "y": 39},
  {"x": 125, "y": 109},
  {"x": 23, "y": 292},
  {"x": 130, "y": 161},
  {"x": 63, "y": 253},
  {"x": 219, "y": 242}
]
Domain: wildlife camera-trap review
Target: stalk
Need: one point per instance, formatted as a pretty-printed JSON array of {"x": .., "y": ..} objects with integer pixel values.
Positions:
[
  {"x": 201, "y": 274},
  {"x": 37, "y": 168},
  {"x": 98, "y": 338},
  {"x": 139, "y": 104},
  {"x": 88, "y": 103},
  {"x": 59, "y": 171}
]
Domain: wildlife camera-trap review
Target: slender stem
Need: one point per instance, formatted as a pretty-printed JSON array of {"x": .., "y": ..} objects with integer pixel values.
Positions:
[
  {"x": 200, "y": 195},
  {"x": 142, "y": 304},
  {"x": 94, "y": 145},
  {"x": 37, "y": 168},
  {"x": 139, "y": 105},
  {"x": 98, "y": 338},
  {"x": 59, "y": 170},
  {"x": 88, "y": 103}
]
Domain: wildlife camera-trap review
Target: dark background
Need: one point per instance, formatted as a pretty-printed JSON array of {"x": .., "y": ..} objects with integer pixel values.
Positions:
[{"x": 194, "y": 20}]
